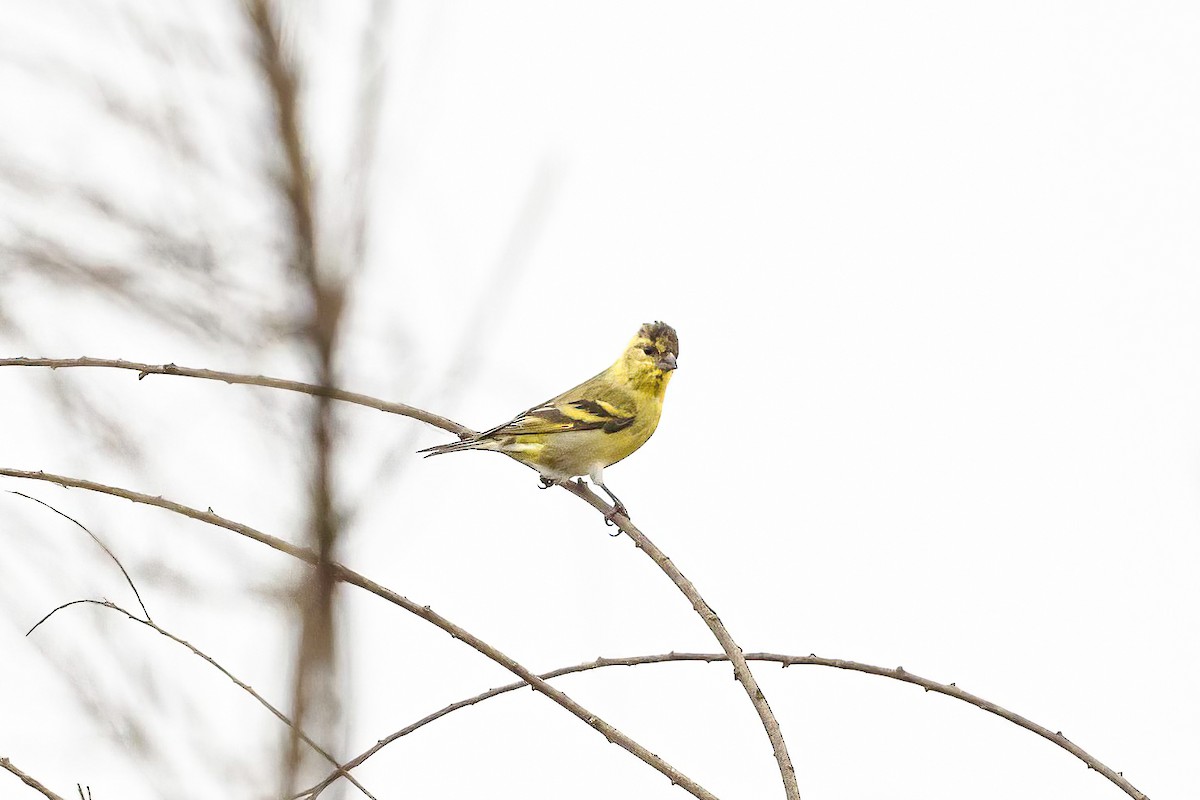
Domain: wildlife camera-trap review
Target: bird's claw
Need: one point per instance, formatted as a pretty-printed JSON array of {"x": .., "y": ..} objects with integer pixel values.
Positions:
[
  {"x": 612, "y": 512},
  {"x": 546, "y": 482}
]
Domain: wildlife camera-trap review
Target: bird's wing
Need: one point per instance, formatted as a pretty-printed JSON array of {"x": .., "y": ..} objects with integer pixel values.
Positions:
[{"x": 568, "y": 413}]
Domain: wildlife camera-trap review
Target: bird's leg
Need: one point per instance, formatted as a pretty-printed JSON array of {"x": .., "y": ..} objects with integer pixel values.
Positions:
[
  {"x": 596, "y": 473},
  {"x": 546, "y": 482},
  {"x": 618, "y": 506}
]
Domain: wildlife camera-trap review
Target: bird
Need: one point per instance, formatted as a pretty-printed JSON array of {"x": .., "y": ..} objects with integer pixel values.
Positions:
[{"x": 594, "y": 425}]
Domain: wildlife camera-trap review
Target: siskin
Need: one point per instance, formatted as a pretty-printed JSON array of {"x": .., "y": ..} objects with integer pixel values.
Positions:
[{"x": 594, "y": 425}]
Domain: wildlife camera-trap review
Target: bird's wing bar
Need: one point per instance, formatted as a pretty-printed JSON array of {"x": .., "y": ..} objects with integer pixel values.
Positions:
[{"x": 566, "y": 416}]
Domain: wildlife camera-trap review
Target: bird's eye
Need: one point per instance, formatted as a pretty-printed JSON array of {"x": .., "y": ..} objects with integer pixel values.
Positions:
[{"x": 649, "y": 350}]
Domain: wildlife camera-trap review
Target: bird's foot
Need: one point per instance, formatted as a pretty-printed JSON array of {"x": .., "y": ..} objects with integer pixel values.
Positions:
[
  {"x": 619, "y": 508},
  {"x": 546, "y": 482}
]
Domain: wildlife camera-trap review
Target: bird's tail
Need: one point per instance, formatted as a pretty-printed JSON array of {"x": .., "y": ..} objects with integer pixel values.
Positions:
[{"x": 452, "y": 447}]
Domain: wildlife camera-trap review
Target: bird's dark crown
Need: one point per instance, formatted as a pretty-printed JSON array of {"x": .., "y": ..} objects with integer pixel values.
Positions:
[{"x": 663, "y": 335}]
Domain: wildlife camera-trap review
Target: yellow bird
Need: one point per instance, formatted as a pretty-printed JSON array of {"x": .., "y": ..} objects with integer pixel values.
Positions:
[{"x": 594, "y": 425}]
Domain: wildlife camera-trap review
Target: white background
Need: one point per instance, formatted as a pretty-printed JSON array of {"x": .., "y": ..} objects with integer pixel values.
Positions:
[{"x": 934, "y": 271}]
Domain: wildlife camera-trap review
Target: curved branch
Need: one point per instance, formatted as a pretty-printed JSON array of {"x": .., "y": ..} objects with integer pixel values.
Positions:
[
  {"x": 149, "y": 623},
  {"x": 898, "y": 674},
  {"x": 95, "y": 539},
  {"x": 582, "y": 491},
  {"x": 740, "y": 668},
  {"x": 247, "y": 380},
  {"x": 426, "y": 613}
]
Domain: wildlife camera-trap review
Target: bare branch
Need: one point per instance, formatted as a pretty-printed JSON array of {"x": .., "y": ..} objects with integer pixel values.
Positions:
[
  {"x": 54, "y": 611},
  {"x": 27, "y": 780},
  {"x": 899, "y": 674},
  {"x": 580, "y": 489},
  {"x": 339, "y": 771},
  {"x": 740, "y": 669},
  {"x": 426, "y": 613},
  {"x": 596, "y": 502},
  {"x": 95, "y": 539},
  {"x": 250, "y": 380}
]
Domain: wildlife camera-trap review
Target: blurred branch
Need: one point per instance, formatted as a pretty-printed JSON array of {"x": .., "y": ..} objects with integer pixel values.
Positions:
[
  {"x": 899, "y": 674},
  {"x": 372, "y": 74},
  {"x": 326, "y": 293},
  {"x": 90, "y": 416},
  {"x": 426, "y": 613},
  {"x": 295, "y": 183},
  {"x": 165, "y": 127},
  {"x": 167, "y": 122},
  {"x": 28, "y": 781},
  {"x": 483, "y": 318},
  {"x": 84, "y": 225},
  {"x": 134, "y": 289},
  {"x": 339, "y": 771}
]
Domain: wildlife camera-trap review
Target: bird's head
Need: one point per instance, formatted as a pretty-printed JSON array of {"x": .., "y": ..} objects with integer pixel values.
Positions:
[{"x": 652, "y": 353}]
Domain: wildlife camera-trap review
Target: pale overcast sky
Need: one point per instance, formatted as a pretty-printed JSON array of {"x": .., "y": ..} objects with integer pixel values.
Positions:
[{"x": 935, "y": 269}]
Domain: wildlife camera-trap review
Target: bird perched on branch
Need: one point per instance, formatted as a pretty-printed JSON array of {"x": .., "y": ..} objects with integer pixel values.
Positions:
[{"x": 594, "y": 425}]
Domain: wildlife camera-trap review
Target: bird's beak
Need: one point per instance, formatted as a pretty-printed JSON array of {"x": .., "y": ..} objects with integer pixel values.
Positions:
[{"x": 667, "y": 363}]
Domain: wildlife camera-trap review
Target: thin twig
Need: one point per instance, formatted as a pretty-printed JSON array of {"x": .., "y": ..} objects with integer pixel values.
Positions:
[
  {"x": 248, "y": 380},
  {"x": 899, "y": 674},
  {"x": 213, "y": 663},
  {"x": 8, "y": 765},
  {"x": 740, "y": 669},
  {"x": 347, "y": 575},
  {"x": 54, "y": 611},
  {"x": 95, "y": 539}
]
